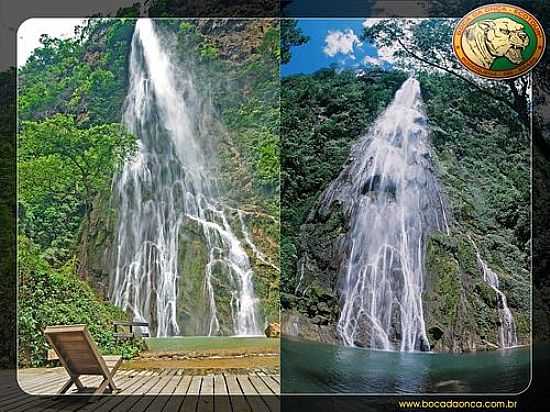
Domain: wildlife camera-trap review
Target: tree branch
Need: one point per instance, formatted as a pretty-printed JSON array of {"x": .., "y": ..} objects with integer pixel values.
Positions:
[{"x": 464, "y": 78}]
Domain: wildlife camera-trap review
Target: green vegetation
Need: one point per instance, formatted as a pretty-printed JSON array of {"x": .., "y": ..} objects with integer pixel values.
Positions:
[
  {"x": 291, "y": 36},
  {"x": 69, "y": 146},
  {"x": 62, "y": 168},
  {"x": 56, "y": 296}
]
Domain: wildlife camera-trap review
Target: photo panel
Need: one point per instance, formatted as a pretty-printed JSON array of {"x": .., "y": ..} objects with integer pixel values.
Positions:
[
  {"x": 148, "y": 199},
  {"x": 406, "y": 198}
]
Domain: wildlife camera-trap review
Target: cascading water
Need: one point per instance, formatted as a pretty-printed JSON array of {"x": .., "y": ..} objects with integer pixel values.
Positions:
[
  {"x": 167, "y": 184},
  {"x": 506, "y": 333},
  {"x": 393, "y": 202}
]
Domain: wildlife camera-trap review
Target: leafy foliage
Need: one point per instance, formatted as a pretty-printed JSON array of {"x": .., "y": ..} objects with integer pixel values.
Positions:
[
  {"x": 478, "y": 148},
  {"x": 56, "y": 296},
  {"x": 242, "y": 81},
  {"x": 62, "y": 168},
  {"x": 291, "y": 36},
  {"x": 69, "y": 146},
  {"x": 77, "y": 75},
  {"x": 424, "y": 45},
  {"x": 481, "y": 153}
]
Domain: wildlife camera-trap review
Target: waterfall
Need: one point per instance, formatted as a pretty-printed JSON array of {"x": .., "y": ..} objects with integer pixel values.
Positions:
[
  {"x": 506, "y": 331},
  {"x": 169, "y": 183},
  {"x": 393, "y": 202}
]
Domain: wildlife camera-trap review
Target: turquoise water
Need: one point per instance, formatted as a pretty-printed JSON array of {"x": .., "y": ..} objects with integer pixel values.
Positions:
[{"x": 310, "y": 367}]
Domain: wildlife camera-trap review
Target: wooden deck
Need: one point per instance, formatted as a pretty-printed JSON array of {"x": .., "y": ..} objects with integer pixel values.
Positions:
[{"x": 151, "y": 389}]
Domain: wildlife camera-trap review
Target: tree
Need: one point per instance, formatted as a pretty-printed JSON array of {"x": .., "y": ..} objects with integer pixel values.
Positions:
[
  {"x": 61, "y": 170},
  {"x": 291, "y": 36},
  {"x": 426, "y": 43}
]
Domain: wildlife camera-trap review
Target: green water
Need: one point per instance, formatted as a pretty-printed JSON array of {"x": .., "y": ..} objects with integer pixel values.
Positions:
[
  {"x": 310, "y": 367},
  {"x": 200, "y": 343}
]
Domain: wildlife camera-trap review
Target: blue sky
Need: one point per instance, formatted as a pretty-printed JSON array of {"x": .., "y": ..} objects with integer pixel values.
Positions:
[{"x": 334, "y": 41}]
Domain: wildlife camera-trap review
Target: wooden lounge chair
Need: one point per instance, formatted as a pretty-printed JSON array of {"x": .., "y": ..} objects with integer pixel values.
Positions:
[{"x": 79, "y": 355}]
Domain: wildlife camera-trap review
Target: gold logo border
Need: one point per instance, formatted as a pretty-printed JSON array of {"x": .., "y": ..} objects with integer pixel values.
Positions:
[{"x": 520, "y": 70}]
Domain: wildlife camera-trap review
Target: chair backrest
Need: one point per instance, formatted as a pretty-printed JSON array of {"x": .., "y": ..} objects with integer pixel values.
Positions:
[{"x": 76, "y": 349}]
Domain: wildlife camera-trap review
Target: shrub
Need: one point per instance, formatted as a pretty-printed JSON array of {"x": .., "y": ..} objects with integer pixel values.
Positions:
[{"x": 49, "y": 296}]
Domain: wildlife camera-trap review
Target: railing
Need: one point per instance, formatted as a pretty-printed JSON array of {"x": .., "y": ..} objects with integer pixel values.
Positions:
[{"x": 131, "y": 326}]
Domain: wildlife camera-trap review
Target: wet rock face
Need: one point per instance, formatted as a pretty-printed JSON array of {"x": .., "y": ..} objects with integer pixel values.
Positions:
[
  {"x": 390, "y": 201},
  {"x": 460, "y": 309},
  {"x": 297, "y": 324},
  {"x": 96, "y": 241},
  {"x": 320, "y": 247},
  {"x": 236, "y": 40}
]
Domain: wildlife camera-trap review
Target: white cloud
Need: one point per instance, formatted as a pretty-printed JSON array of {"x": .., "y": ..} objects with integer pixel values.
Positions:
[
  {"x": 372, "y": 61},
  {"x": 370, "y": 22},
  {"x": 341, "y": 42},
  {"x": 385, "y": 54}
]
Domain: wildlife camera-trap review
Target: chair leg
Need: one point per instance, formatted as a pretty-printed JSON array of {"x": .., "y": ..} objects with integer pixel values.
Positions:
[
  {"x": 112, "y": 384},
  {"x": 78, "y": 383},
  {"x": 69, "y": 383},
  {"x": 101, "y": 388},
  {"x": 66, "y": 387}
]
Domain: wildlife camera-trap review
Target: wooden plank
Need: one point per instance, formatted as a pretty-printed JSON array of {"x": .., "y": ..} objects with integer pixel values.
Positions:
[
  {"x": 172, "y": 383},
  {"x": 256, "y": 403},
  {"x": 164, "y": 380},
  {"x": 221, "y": 398},
  {"x": 136, "y": 383},
  {"x": 190, "y": 401},
  {"x": 61, "y": 402},
  {"x": 152, "y": 400},
  {"x": 265, "y": 393},
  {"x": 18, "y": 397},
  {"x": 146, "y": 387},
  {"x": 260, "y": 385},
  {"x": 26, "y": 404},
  {"x": 19, "y": 403},
  {"x": 124, "y": 323},
  {"x": 236, "y": 395},
  {"x": 35, "y": 386},
  {"x": 183, "y": 385},
  {"x": 172, "y": 390},
  {"x": 165, "y": 395},
  {"x": 42, "y": 404},
  {"x": 272, "y": 384},
  {"x": 70, "y": 402},
  {"x": 50, "y": 386},
  {"x": 122, "y": 335},
  {"x": 178, "y": 395},
  {"x": 31, "y": 404},
  {"x": 100, "y": 403},
  {"x": 130, "y": 388},
  {"x": 206, "y": 399}
]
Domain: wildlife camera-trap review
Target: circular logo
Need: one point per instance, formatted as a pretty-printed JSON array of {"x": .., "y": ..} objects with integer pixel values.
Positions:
[{"x": 499, "y": 41}]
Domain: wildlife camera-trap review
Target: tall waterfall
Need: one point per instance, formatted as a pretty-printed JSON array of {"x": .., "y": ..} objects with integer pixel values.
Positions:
[
  {"x": 393, "y": 202},
  {"x": 167, "y": 184},
  {"x": 506, "y": 330}
]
